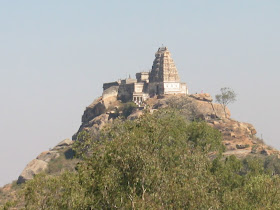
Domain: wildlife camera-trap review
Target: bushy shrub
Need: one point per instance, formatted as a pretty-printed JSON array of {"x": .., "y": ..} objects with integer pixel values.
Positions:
[{"x": 127, "y": 108}]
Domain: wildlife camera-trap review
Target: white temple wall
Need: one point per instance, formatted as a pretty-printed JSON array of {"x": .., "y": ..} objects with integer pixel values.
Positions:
[
  {"x": 175, "y": 88},
  {"x": 139, "y": 87}
]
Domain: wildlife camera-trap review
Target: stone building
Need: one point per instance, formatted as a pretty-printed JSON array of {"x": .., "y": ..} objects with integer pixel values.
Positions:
[{"x": 163, "y": 79}]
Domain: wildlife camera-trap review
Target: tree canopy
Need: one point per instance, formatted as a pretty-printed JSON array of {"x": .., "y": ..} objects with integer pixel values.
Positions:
[
  {"x": 226, "y": 97},
  {"x": 159, "y": 161}
]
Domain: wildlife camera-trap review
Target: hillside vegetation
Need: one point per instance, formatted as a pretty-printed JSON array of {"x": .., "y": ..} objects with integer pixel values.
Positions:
[{"x": 158, "y": 161}]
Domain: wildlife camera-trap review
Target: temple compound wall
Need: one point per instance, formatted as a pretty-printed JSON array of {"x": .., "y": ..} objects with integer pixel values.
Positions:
[{"x": 163, "y": 79}]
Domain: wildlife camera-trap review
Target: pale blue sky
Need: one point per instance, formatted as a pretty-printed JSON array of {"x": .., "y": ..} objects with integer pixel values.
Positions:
[{"x": 55, "y": 55}]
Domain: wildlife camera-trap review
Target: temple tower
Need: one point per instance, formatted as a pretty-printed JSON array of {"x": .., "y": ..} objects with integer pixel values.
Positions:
[
  {"x": 164, "y": 69},
  {"x": 164, "y": 77}
]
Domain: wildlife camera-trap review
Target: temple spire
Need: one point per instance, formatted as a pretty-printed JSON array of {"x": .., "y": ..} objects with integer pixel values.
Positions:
[{"x": 164, "y": 69}]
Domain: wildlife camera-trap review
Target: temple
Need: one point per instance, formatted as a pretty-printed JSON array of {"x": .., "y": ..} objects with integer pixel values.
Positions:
[{"x": 163, "y": 79}]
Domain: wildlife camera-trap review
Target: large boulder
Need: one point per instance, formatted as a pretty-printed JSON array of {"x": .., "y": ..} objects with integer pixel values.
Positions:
[
  {"x": 41, "y": 163},
  {"x": 34, "y": 167},
  {"x": 198, "y": 105},
  {"x": 63, "y": 144},
  {"x": 47, "y": 156},
  {"x": 202, "y": 97},
  {"x": 210, "y": 110}
]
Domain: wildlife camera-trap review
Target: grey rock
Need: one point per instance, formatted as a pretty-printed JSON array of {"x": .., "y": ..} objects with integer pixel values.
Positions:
[
  {"x": 48, "y": 156},
  {"x": 34, "y": 167},
  {"x": 63, "y": 144},
  {"x": 202, "y": 97}
]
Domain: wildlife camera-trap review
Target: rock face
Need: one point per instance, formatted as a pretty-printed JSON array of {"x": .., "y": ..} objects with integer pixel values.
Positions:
[
  {"x": 63, "y": 144},
  {"x": 239, "y": 138},
  {"x": 202, "y": 97},
  {"x": 93, "y": 110},
  {"x": 199, "y": 104},
  {"x": 47, "y": 156},
  {"x": 207, "y": 109},
  {"x": 97, "y": 123},
  {"x": 34, "y": 167},
  {"x": 41, "y": 162},
  {"x": 96, "y": 114}
]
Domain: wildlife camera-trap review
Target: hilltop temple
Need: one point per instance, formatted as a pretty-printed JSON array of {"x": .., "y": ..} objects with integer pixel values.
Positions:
[{"x": 163, "y": 79}]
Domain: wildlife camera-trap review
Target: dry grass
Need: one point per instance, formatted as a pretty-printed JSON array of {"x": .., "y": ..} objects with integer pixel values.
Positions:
[{"x": 65, "y": 162}]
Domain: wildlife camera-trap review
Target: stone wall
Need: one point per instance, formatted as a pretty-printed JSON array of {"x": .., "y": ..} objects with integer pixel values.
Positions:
[
  {"x": 142, "y": 76},
  {"x": 110, "y": 95},
  {"x": 156, "y": 88},
  {"x": 125, "y": 92},
  {"x": 110, "y": 84}
]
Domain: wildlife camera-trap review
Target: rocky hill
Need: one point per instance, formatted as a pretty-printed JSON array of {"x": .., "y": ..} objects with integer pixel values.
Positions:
[{"x": 239, "y": 138}]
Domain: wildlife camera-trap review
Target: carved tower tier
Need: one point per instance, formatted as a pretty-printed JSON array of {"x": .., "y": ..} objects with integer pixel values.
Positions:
[
  {"x": 164, "y": 77},
  {"x": 164, "y": 69}
]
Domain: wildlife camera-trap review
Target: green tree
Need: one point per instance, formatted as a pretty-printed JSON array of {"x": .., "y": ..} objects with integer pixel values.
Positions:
[
  {"x": 226, "y": 97},
  {"x": 159, "y": 161},
  {"x": 55, "y": 192},
  {"x": 146, "y": 164}
]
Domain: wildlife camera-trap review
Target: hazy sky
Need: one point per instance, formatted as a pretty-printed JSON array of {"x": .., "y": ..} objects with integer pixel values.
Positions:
[{"x": 55, "y": 55}]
